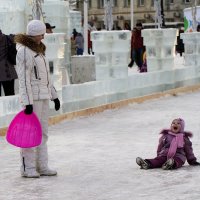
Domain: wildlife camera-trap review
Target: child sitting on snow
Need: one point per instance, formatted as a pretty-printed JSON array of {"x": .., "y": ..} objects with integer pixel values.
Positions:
[{"x": 173, "y": 150}]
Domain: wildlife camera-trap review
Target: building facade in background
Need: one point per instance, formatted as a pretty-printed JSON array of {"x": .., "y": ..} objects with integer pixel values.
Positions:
[{"x": 144, "y": 11}]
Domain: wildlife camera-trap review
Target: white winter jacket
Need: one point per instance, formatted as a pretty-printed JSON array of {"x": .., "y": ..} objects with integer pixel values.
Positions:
[{"x": 34, "y": 78}]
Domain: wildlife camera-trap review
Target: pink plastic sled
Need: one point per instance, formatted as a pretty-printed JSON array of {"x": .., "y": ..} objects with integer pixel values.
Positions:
[{"x": 24, "y": 131}]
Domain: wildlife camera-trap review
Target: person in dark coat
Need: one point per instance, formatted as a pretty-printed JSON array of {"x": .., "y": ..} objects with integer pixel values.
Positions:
[
  {"x": 198, "y": 28},
  {"x": 137, "y": 47},
  {"x": 49, "y": 28},
  {"x": 8, "y": 73},
  {"x": 180, "y": 45},
  {"x": 173, "y": 150}
]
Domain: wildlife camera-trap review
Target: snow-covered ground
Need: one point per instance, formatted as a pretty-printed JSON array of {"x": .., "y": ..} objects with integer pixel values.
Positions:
[{"x": 95, "y": 156}]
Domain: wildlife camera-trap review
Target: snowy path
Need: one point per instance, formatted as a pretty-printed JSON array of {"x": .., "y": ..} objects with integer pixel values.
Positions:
[{"x": 95, "y": 156}]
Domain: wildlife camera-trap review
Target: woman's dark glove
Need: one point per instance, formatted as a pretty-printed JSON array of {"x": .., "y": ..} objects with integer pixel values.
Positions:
[
  {"x": 28, "y": 110},
  {"x": 57, "y": 104},
  {"x": 195, "y": 163}
]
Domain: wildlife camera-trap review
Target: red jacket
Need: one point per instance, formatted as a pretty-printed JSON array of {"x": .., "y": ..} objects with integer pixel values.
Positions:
[
  {"x": 136, "y": 39},
  {"x": 89, "y": 40}
]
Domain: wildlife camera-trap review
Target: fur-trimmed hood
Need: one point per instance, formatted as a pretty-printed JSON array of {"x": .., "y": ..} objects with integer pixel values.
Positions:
[
  {"x": 27, "y": 41},
  {"x": 186, "y": 133}
]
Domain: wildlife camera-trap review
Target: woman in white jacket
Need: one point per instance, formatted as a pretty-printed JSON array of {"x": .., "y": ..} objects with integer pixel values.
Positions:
[{"x": 35, "y": 90}]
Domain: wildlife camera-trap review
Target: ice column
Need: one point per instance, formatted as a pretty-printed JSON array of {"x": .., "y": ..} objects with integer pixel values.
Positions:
[
  {"x": 112, "y": 53},
  {"x": 12, "y": 16},
  {"x": 57, "y": 14},
  {"x": 75, "y": 21},
  {"x": 55, "y": 53},
  {"x": 191, "y": 42},
  {"x": 160, "y": 48},
  {"x": 108, "y": 18}
]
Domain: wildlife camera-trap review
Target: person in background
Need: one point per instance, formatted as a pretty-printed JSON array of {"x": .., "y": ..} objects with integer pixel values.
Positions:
[
  {"x": 131, "y": 54},
  {"x": 89, "y": 42},
  {"x": 198, "y": 28},
  {"x": 144, "y": 65},
  {"x": 8, "y": 73},
  {"x": 91, "y": 27},
  {"x": 49, "y": 28},
  {"x": 73, "y": 45},
  {"x": 35, "y": 90},
  {"x": 180, "y": 44},
  {"x": 79, "y": 42},
  {"x": 74, "y": 34},
  {"x": 137, "y": 47},
  {"x": 173, "y": 150},
  {"x": 118, "y": 28},
  {"x": 127, "y": 26}
]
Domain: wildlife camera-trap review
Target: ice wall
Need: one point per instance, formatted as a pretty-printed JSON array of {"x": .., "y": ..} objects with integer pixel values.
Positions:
[
  {"x": 83, "y": 69},
  {"x": 97, "y": 93}
]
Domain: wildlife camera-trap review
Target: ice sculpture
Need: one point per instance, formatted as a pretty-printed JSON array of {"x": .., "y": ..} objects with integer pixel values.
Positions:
[
  {"x": 192, "y": 48},
  {"x": 160, "y": 48},
  {"x": 58, "y": 44},
  {"x": 83, "y": 69},
  {"x": 57, "y": 14},
  {"x": 158, "y": 15},
  {"x": 55, "y": 53},
  {"x": 12, "y": 16},
  {"x": 112, "y": 52},
  {"x": 75, "y": 21}
]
